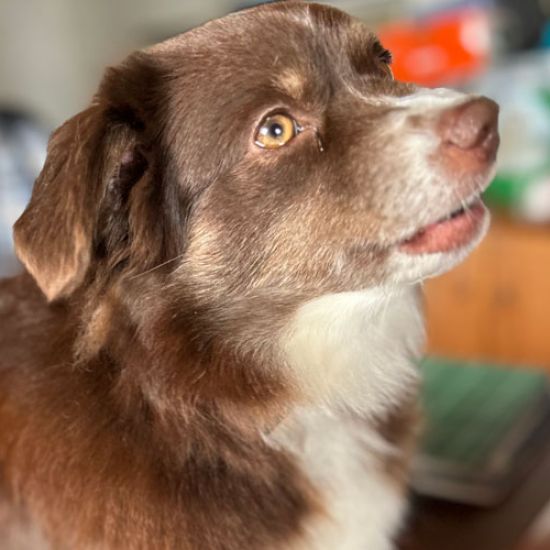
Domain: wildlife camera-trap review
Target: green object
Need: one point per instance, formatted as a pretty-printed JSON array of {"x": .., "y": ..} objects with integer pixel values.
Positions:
[
  {"x": 482, "y": 424},
  {"x": 544, "y": 94},
  {"x": 471, "y": 407},
  {"x": 508, "y": 190},
  {"x": 510, "y": 187}
]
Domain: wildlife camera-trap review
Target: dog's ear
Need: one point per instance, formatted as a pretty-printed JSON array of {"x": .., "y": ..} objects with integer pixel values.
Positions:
[{"x": 92, "y": 159}]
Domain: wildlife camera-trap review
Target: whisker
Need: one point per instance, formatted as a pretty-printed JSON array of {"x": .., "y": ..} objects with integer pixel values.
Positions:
[{"x": 156, "y": 267}]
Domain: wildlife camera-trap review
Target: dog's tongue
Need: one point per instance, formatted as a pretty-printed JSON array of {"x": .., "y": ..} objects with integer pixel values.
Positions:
[{"x": 448, "y": 234}]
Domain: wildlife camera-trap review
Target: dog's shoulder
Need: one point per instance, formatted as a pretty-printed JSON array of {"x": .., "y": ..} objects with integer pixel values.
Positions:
[
  {"x": 27, "y": 322},
  {"x": 21, "y": 304}
]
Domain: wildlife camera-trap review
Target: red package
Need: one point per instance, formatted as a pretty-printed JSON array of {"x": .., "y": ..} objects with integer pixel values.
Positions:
[{"x": 449, "y": 47}]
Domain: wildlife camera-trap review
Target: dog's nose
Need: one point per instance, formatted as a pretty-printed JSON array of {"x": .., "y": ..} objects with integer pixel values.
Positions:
[{"x": 472, "y": 127}]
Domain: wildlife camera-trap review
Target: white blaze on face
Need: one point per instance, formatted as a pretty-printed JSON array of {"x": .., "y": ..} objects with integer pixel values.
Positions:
[
  {"x": 415, "y": 187},
  {"x": 428, "y": 103},
  {"x": 423, "y": 190},
  {"x": 428, "y": 98}
]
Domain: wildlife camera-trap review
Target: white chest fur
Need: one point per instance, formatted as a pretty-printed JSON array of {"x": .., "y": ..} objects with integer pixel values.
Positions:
[
  {"x": 354, "y": 350},
  {"x": 344, "y": 460},
  {"x": 351, "y": 356}
]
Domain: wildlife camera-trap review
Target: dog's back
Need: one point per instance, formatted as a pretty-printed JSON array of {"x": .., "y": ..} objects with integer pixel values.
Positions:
[
  {"x": 26, "y": 324},
  {"x": 69, "y": 453}
]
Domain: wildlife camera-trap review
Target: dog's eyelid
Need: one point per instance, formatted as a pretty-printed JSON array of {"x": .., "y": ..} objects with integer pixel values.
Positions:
[{"x": 276, "y": 111}]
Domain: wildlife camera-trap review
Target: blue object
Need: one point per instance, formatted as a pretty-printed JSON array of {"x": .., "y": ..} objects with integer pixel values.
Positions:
[{"x": 22, "y": 154}]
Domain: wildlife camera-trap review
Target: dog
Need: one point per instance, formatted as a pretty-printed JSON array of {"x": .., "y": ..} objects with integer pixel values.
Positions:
[{"x": 213, "y": 343}]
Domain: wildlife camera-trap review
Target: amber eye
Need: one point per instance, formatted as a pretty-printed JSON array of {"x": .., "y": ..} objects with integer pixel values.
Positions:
[{"x": 276, "y": 131}]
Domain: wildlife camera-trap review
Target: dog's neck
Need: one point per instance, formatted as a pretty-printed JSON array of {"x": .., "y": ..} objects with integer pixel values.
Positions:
[
  {"x": 350, "y": 351},
  {"x": 356, "y": 350}
]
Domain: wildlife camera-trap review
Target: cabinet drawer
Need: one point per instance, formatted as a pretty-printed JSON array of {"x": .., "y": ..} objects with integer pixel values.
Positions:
[{"x": 496, "y": 305}]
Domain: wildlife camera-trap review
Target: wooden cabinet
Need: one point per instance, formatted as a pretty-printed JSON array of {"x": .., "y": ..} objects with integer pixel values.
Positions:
[{"x": 496, "y": 305}]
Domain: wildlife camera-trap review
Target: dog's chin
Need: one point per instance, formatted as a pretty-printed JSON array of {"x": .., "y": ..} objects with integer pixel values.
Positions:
[{"x": 439, "y": 247}]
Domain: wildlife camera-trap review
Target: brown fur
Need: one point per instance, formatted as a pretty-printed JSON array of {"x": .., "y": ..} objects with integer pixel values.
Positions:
[{"x": 138, "y": 370}]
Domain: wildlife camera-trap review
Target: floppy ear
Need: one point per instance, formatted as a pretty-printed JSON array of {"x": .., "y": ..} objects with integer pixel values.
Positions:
[{"x": 54, "y": 236}]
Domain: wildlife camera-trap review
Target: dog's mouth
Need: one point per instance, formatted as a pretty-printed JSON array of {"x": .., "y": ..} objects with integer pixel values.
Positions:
[{"x": 453, "y": 231}]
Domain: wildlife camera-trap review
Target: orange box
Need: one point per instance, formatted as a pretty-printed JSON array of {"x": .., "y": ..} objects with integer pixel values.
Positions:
[{"x": 449, "y": 47}]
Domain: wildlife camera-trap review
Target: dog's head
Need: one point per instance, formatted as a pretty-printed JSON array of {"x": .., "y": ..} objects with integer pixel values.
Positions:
[{"x": 267, "y": 152}]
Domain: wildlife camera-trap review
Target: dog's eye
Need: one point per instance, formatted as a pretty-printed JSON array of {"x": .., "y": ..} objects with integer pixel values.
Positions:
[{"x": 276, "y": 131}]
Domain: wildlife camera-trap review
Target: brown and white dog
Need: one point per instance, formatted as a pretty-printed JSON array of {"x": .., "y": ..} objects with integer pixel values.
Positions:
[{"x": 213, "y": 345}]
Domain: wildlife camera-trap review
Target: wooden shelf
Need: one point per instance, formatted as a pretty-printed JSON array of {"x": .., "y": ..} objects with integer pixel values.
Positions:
[{"x": 496, "y": 305}]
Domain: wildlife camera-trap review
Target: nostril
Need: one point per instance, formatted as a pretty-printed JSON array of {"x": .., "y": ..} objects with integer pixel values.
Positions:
[
  {"x": 484, "y": 132},
  {"x": 470, "y": 125}
]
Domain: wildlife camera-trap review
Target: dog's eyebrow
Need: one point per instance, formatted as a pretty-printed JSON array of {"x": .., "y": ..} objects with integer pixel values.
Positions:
[
  {"x": 366, "y": 51},
  {"x": 291, "y": 82}
]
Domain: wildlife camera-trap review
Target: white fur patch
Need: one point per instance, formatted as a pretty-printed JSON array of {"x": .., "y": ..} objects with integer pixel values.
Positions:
[
  {"x": 428, "y": 98},
  {"x": 342, "y": 458},
  {"x": 419, "y": 102},
  {"x": 351, "y": 356},
  {"x": 353, "y": 350}
]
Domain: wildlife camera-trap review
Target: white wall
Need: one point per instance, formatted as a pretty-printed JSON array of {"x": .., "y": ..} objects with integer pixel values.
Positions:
[{"x": 53, "y": 52}]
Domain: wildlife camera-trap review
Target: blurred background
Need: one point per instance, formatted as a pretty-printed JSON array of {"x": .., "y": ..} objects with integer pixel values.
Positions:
[{"x": 492, "y": 314}]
